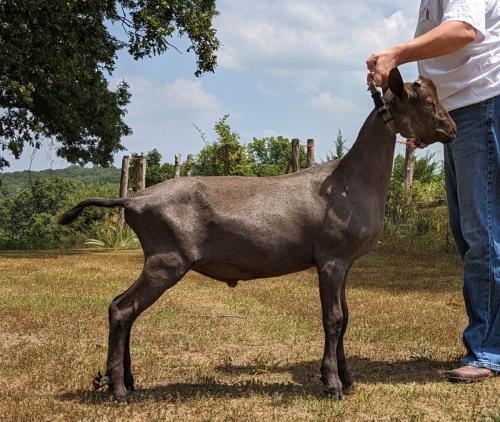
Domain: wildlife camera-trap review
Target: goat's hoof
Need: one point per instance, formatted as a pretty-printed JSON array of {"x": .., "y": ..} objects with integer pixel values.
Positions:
[
  {"x": 334, "y": 394},
  {"x": 120, "y": 398}
]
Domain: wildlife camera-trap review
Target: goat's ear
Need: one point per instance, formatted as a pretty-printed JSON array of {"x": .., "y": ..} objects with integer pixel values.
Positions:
[{"x": 396, "y": 84}]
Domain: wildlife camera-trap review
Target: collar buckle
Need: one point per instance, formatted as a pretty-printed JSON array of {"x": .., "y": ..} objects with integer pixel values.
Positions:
[{"x": 381, "y": 108}]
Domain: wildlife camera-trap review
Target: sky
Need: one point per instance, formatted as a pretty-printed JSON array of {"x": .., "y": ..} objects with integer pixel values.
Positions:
[{"x": 294, "y": 68}]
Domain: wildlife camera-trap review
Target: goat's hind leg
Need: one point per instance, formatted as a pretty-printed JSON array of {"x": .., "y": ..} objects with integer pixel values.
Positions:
[
  {"x": 159, "y": 274},
  {"x": 128, "y": 378}
]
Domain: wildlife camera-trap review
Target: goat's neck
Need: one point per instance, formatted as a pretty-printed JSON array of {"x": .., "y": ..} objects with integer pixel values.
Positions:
[{"x": 369, "y": 161}]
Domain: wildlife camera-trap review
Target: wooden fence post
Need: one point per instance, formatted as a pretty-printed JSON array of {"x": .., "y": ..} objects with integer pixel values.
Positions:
[
  {"x": 310, "y": 153},
  {"x": 177, "y": 170},
  {"x": 295, "y": 155},
  {"x": 124, "y": 186},
  {"x": 141, "y": 172},
  {"x": 189, "y": 163},
  {"x": 409, "y": 170}
]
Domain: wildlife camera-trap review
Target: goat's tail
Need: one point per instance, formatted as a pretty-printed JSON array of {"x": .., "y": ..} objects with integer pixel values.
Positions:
[{"x": 74, "y": 212}]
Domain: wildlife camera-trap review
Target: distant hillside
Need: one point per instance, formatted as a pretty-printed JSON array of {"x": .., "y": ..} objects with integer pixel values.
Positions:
[{"x": 11, "y": 183}]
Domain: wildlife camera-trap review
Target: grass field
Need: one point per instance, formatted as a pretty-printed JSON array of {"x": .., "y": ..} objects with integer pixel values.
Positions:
[{"x": 208, "y": 352}]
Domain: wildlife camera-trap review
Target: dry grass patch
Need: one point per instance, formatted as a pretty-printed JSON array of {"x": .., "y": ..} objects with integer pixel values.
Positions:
[{"x": 208, "y": 352}]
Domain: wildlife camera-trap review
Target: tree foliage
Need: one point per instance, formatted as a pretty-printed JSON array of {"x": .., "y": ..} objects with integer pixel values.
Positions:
[
  {"x": 409, "y": 224},
  {"x": 13, "y": 182},
  {"x": 156, "y": 172},
  {"x": 340, "y": 145},
  {"x": 56, "y": 55},
  {"x": 27, "y": 219},
  {"x": 226, "y": 156},
  {"x": 428, "y": 184},
  {"x": 426, "y": 169},
  {"x": 271, "y": 156}
]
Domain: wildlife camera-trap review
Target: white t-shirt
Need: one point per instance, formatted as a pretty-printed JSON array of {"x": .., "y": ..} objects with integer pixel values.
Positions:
[{"x": 472, "y": 74}]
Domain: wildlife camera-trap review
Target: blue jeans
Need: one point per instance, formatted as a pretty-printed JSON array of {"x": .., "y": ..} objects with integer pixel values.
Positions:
[{"x": 472, "y": 169}]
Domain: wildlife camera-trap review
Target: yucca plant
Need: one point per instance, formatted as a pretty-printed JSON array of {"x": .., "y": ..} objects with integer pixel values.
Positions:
[{"x": 114, "y": 236}]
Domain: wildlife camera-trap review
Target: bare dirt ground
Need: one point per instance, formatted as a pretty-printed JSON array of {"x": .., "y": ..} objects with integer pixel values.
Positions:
[{"x": 210, "y": 353}]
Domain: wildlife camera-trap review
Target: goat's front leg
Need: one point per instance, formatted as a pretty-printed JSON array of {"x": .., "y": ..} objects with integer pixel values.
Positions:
[
  {"x": 128, "y": 378},
  {"x": 344, "y": 374},
  {"x": 331, "y": 278}
]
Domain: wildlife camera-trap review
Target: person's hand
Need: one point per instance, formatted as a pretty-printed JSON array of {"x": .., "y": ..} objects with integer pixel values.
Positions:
[
  {"x": 414, "y": 143},
  {"x": 380, "y": 65}
]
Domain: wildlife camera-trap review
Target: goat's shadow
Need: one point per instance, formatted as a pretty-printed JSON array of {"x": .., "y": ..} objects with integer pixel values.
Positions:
[{"x": 305, "y": 381}]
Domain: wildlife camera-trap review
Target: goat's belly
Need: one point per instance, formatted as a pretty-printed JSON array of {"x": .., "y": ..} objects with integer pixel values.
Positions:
[
  {"x": 244, "y": 254},
  {"x": 228, "y": 272}
]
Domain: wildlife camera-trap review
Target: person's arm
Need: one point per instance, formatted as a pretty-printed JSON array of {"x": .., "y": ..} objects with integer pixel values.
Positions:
[{"x": 446, "y": 38}]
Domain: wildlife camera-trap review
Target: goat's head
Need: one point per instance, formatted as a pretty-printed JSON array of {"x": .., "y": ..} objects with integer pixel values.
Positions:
[{"x": 417, "y": 111}]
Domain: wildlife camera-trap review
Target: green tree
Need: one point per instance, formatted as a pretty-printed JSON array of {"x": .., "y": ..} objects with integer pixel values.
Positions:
[
  {"x": 225, "y": 156},
  {"x": 57, "y": 54},
  {"x": 409, "y": 224},
  {"x": 271, "y": 156},
  {"x": 27, "y": 220},
  {"x": 426, "y": 169},
  {"x": 428, "y": 186},
  {"x": 13, "y": 182},
  {"x": 340, "y": 146},
  {"x": 155, "y": 171}
]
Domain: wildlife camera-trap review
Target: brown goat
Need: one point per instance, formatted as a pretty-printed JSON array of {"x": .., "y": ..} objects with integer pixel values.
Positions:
[{"x": 243, "y": 228}]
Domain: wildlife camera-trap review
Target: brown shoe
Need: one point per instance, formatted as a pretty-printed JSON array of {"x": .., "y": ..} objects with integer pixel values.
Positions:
[{"x": 469, "y": 374}]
